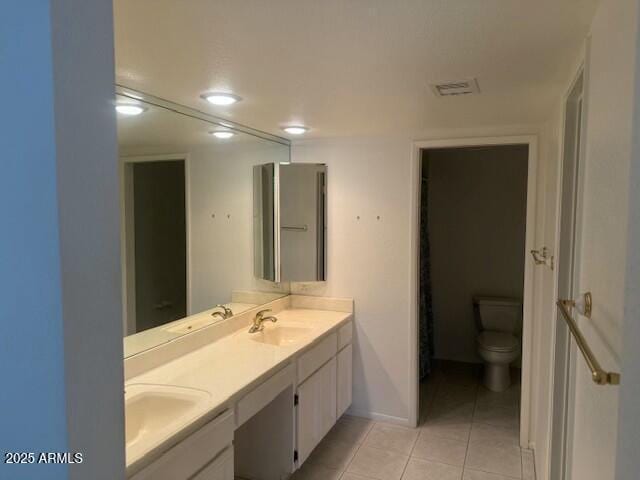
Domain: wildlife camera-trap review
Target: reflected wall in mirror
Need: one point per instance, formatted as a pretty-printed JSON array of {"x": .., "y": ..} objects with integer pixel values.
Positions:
[
  {"x": 188, "y": 219},
  {"x": 264, "y": 218},
  {"x": 290, "y": 222}
]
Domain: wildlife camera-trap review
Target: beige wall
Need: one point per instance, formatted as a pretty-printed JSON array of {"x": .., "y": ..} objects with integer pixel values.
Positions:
[
  {"x": 61, "y": 347},
  {"x": 609, "y": 103},
  {"x": 369, "y": 259},
  {"x": 603, "y": 248},
  {"x": 477, "y": 220},
  {"x": 89, "y": 226}
]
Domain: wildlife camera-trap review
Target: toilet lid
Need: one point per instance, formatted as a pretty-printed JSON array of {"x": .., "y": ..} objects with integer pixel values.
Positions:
[{"x": 497, "y": 341}]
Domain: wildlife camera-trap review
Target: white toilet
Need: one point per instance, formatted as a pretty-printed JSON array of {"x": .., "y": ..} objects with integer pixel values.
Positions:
[{"x": 499, "y": 322}]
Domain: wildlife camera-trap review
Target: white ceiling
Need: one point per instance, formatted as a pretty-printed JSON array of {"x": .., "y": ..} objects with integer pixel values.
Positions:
[{"x": 354, "y": 67}]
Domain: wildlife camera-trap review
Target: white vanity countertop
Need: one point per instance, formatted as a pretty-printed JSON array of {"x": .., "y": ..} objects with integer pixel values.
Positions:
[{"x": 228, "y": 368}]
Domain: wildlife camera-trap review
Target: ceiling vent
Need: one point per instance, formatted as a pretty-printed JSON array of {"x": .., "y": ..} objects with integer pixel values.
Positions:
[{"x": 451, "y": 89}]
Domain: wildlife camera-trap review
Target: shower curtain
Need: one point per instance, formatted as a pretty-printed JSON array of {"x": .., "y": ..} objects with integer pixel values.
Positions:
[{"x": 425, "y": 308}]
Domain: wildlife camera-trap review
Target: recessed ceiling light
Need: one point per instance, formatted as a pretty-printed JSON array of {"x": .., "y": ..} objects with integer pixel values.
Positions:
[
  {"x": 129, "y": 109},
  {"x": 296, "y": 130},
  {"x": 221, "y": 98},
  {"x": 222, "y": 134}
]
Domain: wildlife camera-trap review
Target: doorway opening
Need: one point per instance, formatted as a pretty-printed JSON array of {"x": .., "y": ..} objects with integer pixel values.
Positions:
[
  {"x": 471, "y": 278},
  {"x": 155, "y": 246},
  {"x": 471, "y": 288},
  {"x": 474, "y": 222}
]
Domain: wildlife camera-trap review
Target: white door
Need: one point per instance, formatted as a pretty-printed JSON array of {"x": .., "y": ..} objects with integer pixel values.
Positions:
[
  {"x": 566, "y": 275},
  {"x": 345, "y": 377},
  {"x": 316, "y": 409}
]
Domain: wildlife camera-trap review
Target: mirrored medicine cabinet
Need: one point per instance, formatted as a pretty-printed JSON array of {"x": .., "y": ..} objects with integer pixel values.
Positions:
[{"x": 290, "y": 222}]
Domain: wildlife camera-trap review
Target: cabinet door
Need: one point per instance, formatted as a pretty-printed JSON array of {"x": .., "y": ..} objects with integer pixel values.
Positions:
[
  {"x": 219, "y": 469},
  {"x": 345, "y": 377},
  {"x": 316, "y": 408},
  {"x": 188, "y": 457}
]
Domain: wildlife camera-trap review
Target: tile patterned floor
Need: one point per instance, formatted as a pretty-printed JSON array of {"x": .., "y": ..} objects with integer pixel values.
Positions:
[{"x": 466, "y": 433}]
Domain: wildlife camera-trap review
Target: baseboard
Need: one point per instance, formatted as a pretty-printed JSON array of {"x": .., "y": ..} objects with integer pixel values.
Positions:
[{"x": 379, "y": 417}]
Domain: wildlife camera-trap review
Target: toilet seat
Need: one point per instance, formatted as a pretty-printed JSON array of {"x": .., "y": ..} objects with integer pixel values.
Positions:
[{"x": 497, "y": 341}]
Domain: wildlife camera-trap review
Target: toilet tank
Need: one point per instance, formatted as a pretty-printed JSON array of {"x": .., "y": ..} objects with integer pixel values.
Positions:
[{"x": 500, "y": 314}]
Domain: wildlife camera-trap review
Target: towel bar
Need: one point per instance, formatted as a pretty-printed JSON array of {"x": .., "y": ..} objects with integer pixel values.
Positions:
[
  {"x": 301, "y": 228},
  {"x": 599, "y": 376}
]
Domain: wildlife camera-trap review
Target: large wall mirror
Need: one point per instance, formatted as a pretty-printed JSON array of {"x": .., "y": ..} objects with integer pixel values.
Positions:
[{"x": 188, "y": 211}]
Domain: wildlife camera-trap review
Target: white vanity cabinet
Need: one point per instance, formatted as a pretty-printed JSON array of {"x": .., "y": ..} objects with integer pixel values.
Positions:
[
  {"x": 345, "y": 368},
  {"x": 344, "y": 365},
  {"x": 219, "y": 469},
  {"x": 316, "y": 408},
  {"x": 290, "y": 411},
  {"x": 324, "y": 389},
  {"x": 206, "y": 454}
]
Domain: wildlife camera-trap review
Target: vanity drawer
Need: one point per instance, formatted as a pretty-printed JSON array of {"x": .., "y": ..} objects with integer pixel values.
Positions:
[
  {"x": 317, "y": 356},
  {"x": 345, "y": 335},
  {"x": 262, "y": 395},
  {"x": 221, "y": 468},
  {"x": 185, "y": 459}
]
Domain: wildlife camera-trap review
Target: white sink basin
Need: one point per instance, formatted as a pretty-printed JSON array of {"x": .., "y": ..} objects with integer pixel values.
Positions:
[
  {"x": 280, "y": 334},
  {"x": 154, "y": 411}
]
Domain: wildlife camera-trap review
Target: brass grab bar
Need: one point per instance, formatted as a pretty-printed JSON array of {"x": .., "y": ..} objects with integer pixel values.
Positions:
[{"x": 599, "y": 376}]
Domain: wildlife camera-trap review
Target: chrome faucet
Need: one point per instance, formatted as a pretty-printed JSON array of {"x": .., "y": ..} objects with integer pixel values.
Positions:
[
  {"x": 226, "y": 312},
  {"x": 259, "y": 319}
]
